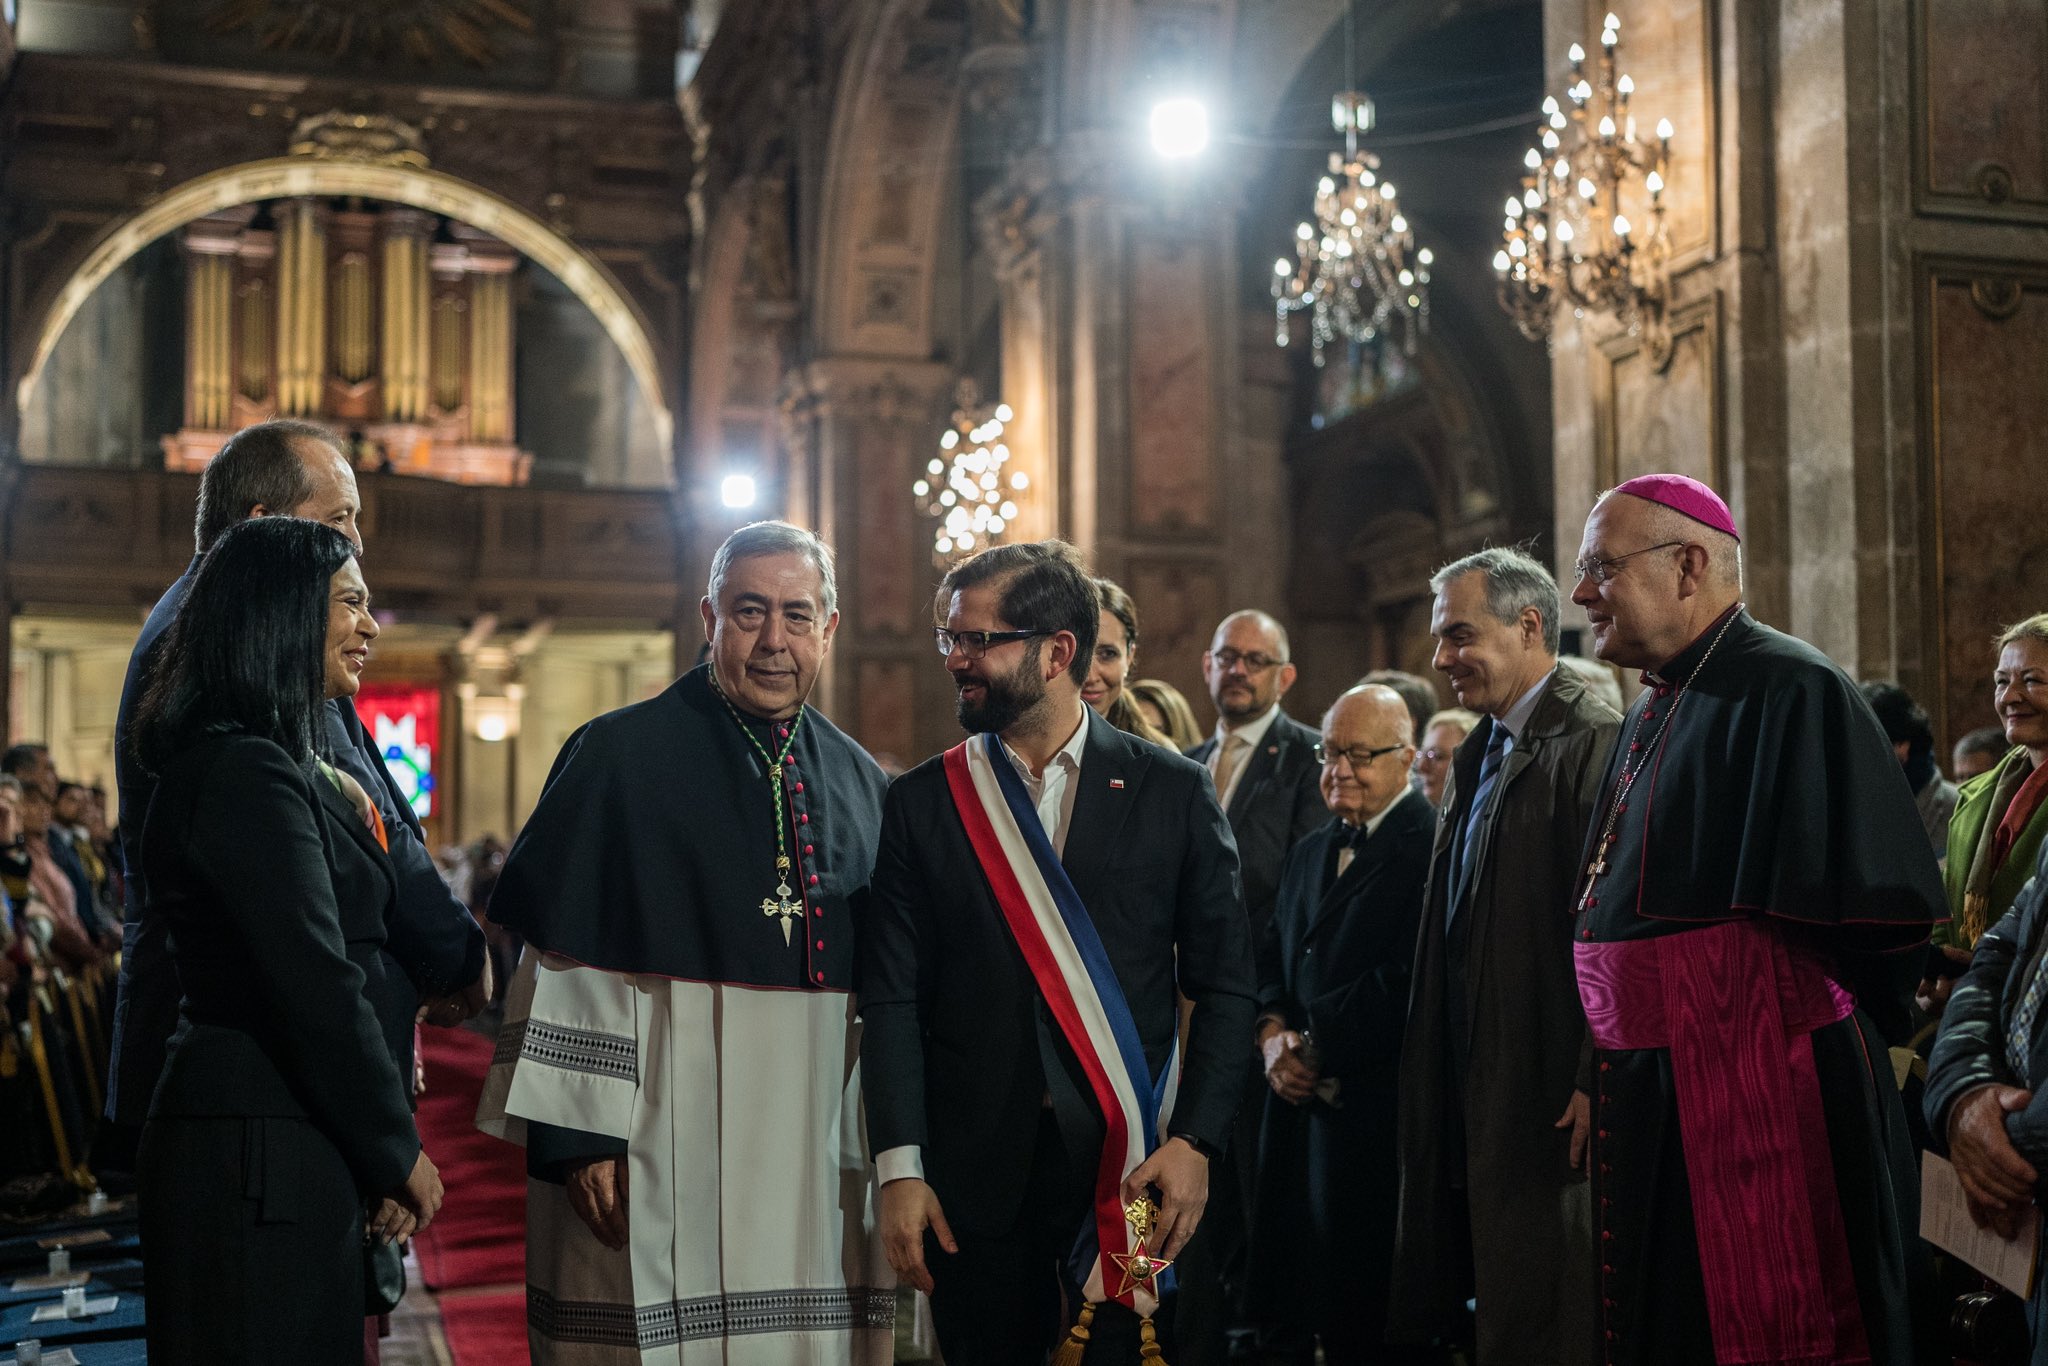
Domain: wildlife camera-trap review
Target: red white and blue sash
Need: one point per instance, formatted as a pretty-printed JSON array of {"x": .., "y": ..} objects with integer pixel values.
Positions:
[{"x": 1066, "y": 958}]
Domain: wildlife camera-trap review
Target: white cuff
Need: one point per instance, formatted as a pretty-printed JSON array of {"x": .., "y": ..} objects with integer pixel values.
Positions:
[{"x": 898, "y": 1164}]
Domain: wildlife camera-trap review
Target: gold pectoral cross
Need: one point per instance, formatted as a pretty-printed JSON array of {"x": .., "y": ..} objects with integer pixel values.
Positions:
[
  {"x": 1597, "y": 869},
  {"x": 781, "y": 905}
]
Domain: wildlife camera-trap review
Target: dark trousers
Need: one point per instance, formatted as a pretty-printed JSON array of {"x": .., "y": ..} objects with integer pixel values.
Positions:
[
  {"x": 252, "y": 1240},
  {"x": 1008, "y": 1300}
]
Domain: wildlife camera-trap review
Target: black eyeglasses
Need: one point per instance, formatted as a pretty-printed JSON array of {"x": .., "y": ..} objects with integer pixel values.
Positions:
[
  {"x": 1600, "y": 571},
  {"x": 1357, "y": 758},
  {"x": 1227, "y": 660},
  {"x": 975, "y": 644}
]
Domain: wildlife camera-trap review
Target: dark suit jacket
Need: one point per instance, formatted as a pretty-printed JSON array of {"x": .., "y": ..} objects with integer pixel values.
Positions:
[
  {"x": 1496, "y": 1044},
  {"x": 277, "y": 898},
  {"x": 951, "y": 1045},
  {"x": 1276, "y": 804},
  {"x": 1335, "y": 965},
  {"x": 433, "y": 937}
]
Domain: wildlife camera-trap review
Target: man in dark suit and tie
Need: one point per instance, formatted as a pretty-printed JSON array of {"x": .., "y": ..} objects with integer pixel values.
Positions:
[
  {"x": 1333, "y": 994},
  {"x": 293, "y": 469},
  {"x": 1263, "y": 763},
  {"x": 1001, "y": 1133},
  {"x": 1496, "y": 1068}
]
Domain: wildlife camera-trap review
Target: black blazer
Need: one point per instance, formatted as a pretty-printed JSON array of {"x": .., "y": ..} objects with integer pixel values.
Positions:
[
  {"x": 433, "y": 938},
  {"x": 1336, "y": 959},
  {"x": 1277, "y": 803},
  {"x": 277, "y": 897},
  {"x": 950, "y": 1050}
]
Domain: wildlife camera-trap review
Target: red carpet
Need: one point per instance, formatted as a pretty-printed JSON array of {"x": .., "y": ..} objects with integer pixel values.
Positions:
[
  {"x": 479, "y": 1237},
  {"x": 488, "y": 1330}
]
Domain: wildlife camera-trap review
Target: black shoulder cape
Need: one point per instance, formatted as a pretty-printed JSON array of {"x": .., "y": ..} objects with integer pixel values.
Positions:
[
  {"x": 1774, "y": 792},
  {"x": 653, "y": 846}
]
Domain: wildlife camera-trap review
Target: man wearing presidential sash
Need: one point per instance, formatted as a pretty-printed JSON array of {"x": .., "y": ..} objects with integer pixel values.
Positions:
[{"x": 1040, "y": 892}]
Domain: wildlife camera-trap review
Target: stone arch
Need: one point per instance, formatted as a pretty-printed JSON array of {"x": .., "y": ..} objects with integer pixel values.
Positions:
[{"x": 423, "y": 189}]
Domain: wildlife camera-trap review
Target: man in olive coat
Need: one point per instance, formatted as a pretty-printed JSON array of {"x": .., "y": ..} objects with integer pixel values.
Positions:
[{"x": 1496, "y": 1064}]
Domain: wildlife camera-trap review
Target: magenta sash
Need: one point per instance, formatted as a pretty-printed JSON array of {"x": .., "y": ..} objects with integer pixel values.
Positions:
[{"x": 1737, "y": 1009}]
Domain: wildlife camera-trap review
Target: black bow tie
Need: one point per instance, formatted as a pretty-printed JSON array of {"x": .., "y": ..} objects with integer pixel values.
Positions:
[{"x": 1352, "y": 836}]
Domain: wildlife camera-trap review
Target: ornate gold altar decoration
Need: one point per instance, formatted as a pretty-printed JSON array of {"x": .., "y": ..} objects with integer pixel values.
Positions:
[
  {"x": 377, "y": 139},
  {"x": 966, "y": 487},
  {"x": 1568, "y": 238},
  {"x": 1356, "y": 265},
  {"x": 424, "y": 30}
]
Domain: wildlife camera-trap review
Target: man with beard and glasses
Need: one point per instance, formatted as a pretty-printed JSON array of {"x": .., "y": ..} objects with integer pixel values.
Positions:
[{"x": 1040, "y": 892}]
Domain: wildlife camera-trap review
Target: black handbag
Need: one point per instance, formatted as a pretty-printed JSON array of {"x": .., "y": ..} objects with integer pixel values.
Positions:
[{"x": 383, "y": 1277}]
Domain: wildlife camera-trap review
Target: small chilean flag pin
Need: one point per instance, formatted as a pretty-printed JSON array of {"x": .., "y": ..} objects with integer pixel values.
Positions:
[{"x": 1116, "y": 783}]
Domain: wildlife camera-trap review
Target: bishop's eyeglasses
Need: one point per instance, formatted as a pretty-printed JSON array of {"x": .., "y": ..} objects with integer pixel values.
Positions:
[
  {"x": 975, "y": 644},
  {"x": 1600, "y": 571}
]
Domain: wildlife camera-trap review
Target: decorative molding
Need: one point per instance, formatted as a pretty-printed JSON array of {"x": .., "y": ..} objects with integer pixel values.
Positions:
[
  {"x": 378, "y": 139},
  {"x": 1980, "y": 129},
  {"x": 1628, "y": 369}
]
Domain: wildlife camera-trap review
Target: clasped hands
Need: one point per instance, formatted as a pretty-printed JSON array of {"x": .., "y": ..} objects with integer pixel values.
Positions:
[
  {"x": 447, "y": 1011},
  {"x": 1176, "y": 1171},
  {"x": 1288, "y": 1071},
  {"x": 1998, "y": 1184},
  {"x": 397, "y": 1217}
]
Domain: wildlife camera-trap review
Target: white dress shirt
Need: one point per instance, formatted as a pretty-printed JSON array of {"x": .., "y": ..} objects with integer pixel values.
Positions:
[
  {"x": 1372, "y": 823},
  {"x": 1053, "y": 795}
]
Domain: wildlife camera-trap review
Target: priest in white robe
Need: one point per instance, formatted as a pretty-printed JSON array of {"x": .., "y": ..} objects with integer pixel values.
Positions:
[{"x": 680, "y": 1053}]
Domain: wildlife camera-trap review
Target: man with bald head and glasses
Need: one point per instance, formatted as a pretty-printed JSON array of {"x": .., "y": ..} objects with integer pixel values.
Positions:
[
  {"x": 1333, "y": 993},
  {"x": 1264, "y": 767}
]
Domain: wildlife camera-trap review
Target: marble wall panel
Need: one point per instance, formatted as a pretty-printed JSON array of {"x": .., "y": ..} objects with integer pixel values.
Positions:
[
  {"x": 884, "y": 585},
  {"x": 887, "y": 724},
  {"x": 1985, "y": 396},
  {"x": 1179, "y": 603},
  {"x": 1980, "y": 67},
  {"x": 1666, "y": 422},
  {"x": 1173, "y": 388}
]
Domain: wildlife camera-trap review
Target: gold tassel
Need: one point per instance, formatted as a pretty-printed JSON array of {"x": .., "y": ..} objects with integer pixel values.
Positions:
[
  {"x": 1075, "y": 1347},
  {"x": 1148, "y": 1343}
]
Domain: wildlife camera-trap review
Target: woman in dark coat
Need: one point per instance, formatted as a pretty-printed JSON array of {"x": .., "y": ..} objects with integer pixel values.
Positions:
[{"x": 280, "y": 1136}]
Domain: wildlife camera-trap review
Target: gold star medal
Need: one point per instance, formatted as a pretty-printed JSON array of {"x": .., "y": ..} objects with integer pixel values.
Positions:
[{"x": 1139, "y": 1266}]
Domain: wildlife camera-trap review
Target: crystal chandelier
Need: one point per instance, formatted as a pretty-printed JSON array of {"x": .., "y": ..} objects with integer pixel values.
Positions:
[
  {"x": 966, "y": 487},
  {"x": 1356, "y": 266},
  {"x": 1567, "y": 238}
]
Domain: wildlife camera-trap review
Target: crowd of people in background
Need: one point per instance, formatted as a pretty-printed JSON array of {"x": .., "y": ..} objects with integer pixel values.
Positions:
[{"x": 1437, "y": 1110}]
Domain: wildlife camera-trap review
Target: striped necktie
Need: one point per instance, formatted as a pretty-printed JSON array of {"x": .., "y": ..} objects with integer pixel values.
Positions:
[{"x": 1468, "y": 840}]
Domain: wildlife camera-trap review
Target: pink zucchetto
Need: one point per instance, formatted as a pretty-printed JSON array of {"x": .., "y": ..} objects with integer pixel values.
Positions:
[{"x": 1681, "y": 494}]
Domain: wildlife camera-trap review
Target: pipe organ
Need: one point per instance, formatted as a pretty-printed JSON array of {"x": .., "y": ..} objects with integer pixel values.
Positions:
[{"x": 386, "y": 323}]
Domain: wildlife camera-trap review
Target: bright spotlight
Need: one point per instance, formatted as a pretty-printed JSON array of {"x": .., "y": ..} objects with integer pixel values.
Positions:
[
  {"x": 737, "y": 490},
  {"x": 1180, "y": 128}
]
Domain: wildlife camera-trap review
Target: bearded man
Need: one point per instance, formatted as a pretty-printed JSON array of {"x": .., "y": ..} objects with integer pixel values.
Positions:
[
  {"x": 1040, "y": 891},
  {"x": 1751, "y": 917},
  {"x": 679, "y": 1049}
]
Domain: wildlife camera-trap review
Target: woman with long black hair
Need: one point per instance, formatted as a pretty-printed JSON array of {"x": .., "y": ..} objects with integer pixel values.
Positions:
[{"x": 281, "y": 1137}]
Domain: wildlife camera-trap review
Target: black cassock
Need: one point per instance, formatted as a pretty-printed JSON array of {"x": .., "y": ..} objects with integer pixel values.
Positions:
[
  {"x": 1335, "y": 963},
  {"x": 1754, "y": 1187},
  {"x": 653, "y": 847}
]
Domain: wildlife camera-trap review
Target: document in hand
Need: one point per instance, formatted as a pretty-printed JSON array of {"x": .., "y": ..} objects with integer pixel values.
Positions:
[{"x": 1945, "y": 1221}]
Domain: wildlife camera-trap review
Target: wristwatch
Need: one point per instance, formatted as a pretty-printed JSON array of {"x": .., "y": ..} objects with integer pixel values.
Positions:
[{"x": 1202, "y": 1146}]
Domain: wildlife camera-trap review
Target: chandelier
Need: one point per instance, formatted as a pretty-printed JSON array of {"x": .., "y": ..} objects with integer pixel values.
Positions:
[
  {"x": 966, "y": 487},
  {"x": 1567, "y": 238},
  {"x": 1356, "y": 266}
]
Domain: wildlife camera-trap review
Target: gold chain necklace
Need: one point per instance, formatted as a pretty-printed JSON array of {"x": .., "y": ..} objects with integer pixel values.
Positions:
[{"x": 1597, "y": 868}]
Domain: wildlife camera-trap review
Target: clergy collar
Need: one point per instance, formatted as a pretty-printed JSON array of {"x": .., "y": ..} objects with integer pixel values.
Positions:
[{"x": 1678, "y": 670}]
